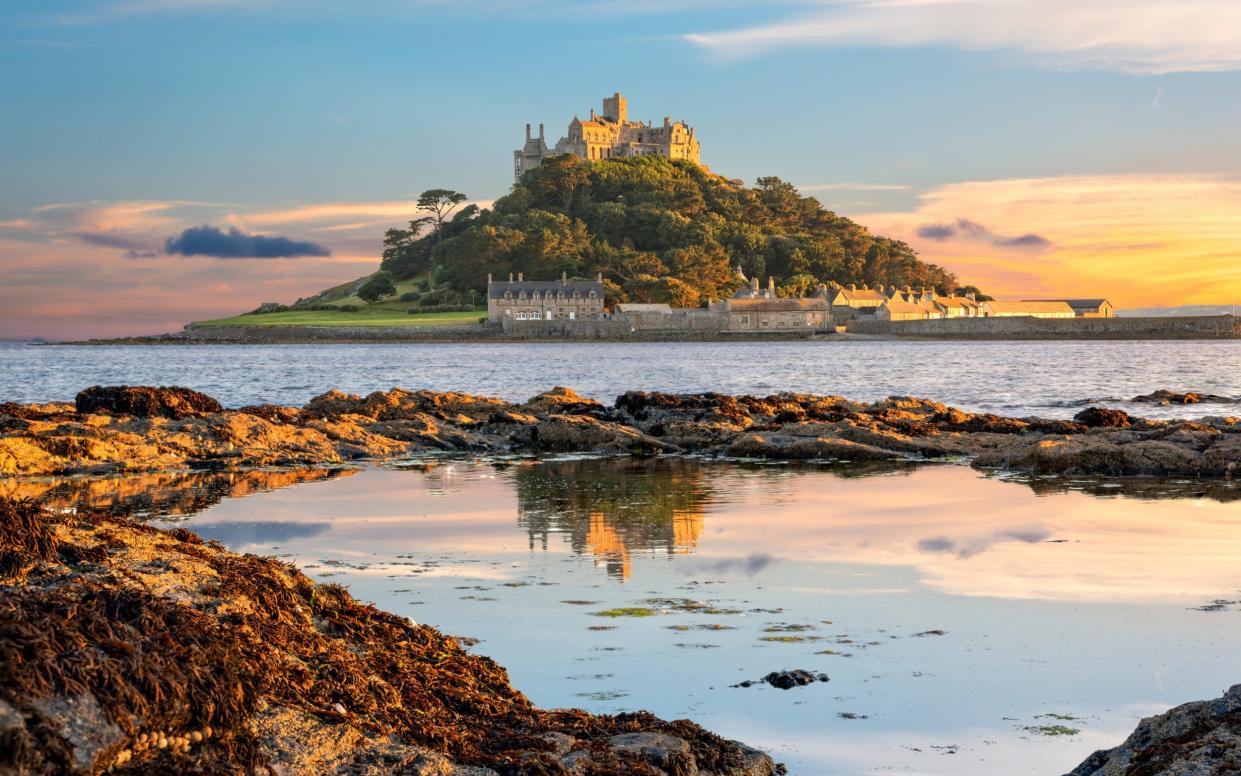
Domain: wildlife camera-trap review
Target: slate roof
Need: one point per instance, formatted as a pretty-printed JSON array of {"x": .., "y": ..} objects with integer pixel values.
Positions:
[{"x": 497, "y": 288}]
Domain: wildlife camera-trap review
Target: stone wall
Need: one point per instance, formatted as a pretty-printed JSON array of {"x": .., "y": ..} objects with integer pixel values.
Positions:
[{"x": 1196, "y": 327}]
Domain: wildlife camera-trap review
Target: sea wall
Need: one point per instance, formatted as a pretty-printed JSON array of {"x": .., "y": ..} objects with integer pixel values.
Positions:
[{"x": 1196, "y": 327}]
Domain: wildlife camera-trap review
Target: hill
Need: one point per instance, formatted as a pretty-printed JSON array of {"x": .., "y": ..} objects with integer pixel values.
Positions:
[{"x": 657, "y": 230}]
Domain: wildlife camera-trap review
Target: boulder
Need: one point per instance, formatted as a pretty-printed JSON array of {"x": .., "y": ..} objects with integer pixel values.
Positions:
[
  {"x": 1103, "y": 417},
  {"x": 1203, "y": 737},
  {"x": 144, "y": 401}
]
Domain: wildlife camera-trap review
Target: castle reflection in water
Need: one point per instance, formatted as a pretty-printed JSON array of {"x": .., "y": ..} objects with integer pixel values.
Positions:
[{"x": 611, "y": 510}]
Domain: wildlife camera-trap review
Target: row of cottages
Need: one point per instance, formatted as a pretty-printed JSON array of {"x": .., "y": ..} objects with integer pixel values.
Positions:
[
  {"x": 754, "y": 309},
  {"x": 544, "y": 300}
]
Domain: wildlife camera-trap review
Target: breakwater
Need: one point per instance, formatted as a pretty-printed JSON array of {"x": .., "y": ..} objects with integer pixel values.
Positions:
[{"x": 1148, "y": 328}]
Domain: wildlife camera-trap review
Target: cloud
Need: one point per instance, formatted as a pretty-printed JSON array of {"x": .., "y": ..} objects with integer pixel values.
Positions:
[
  {"x": 111, "y": 240},
  {"x": 236, "y": 244},
  {"x": 942, "y": 545},
  {"x": 1139, "y": 240},
  {"x": 964, "y": 228},
  {"x": 749, "y": 565},
  {"x": 1137, "y": 36},
  {"x": 853, "y": 187}
]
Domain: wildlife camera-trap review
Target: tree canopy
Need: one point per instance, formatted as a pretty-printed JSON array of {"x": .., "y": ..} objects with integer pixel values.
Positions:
[{"x": 659, "y": 231}]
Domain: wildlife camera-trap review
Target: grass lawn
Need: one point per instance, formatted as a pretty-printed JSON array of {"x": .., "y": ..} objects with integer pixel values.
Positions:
[{"x": 392, "y": 314}]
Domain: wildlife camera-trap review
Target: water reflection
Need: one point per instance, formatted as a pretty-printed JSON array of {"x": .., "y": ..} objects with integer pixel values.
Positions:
[
  {"x": 160, "y": 494},
  {"x": 609, "y": 509}
]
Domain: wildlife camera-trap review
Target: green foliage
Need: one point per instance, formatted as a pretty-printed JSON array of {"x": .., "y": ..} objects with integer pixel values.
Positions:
[
  {"x": 658, "y": 230},
  {"x": 377, "y": 287},
  {"x": 978, "y": 295}
]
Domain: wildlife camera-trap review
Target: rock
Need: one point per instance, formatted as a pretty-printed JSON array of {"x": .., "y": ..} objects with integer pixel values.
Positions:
[
  {"x": 142, "y": 401},
  {"x": 190, "y": 643},
  {"x": 1103, "y": 417},
  {"x": 1201, "y": 738},
  {"x": 580, "y": 433},
  {"x": 1164, "y": 396},
  {"x": 659, "y": 749},
  {"x": 563, "y": 401},
  {"x": 787, "y": 680}
]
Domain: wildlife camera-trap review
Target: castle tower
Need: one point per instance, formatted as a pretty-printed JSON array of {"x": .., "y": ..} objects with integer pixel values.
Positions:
[{"x": 616, "y": 108}]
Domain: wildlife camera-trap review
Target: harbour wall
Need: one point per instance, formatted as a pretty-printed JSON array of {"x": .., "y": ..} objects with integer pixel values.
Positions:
[{"x": 1158, "y": 328}]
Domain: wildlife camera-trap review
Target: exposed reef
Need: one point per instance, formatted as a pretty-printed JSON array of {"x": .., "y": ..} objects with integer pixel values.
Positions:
[
  {"x": 132, "y": 650},
  {"x": 1201, "y": 738},
  {"x": 146, "y": 429}
]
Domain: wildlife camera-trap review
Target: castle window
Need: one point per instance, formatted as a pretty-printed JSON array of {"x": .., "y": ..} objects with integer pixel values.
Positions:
[{"x": 592, "y": 294}]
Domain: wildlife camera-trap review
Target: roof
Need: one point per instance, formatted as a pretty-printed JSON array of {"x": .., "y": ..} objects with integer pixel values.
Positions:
[
  {"x": 808, "y": 304},
  {"x": 630, "y": 307},
  {"x": 497, "y": 288},
  {"x": 956, "y": 301},
  {"x": 897, "y": 306},
  {"x": 1031, "y": 306},
  {"x": 861, "y": 294},
  {"x": 1091, "y": 304}
]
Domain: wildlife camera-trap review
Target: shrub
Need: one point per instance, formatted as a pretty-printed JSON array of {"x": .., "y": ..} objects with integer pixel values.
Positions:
[{"x": 410, "y": 296}]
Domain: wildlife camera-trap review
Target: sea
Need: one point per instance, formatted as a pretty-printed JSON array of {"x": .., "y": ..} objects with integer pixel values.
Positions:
[{"x": 968, "y": 622}]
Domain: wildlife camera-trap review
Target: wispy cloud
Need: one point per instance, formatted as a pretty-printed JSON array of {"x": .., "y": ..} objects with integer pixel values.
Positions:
[
  {"x": 811, "y": 187},
  {"x": 1140, "y": 240},
  {"x": 1139, "y": 36}
]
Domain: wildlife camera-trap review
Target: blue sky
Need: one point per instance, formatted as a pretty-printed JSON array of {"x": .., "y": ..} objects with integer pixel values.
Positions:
[{"x": 884, "y": 109}]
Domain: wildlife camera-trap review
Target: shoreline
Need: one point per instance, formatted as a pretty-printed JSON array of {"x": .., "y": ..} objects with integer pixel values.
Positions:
[
  {"x": 136, "y": 428},
  {"x": 136, "y": 650}
]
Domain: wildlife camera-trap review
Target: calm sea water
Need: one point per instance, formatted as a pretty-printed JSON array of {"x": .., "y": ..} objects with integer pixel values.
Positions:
[
  {"x": 1051, "y": 379},
  {"x": 960, "y": 617}
]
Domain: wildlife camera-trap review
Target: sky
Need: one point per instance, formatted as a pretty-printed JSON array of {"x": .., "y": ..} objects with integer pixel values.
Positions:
[{"x": 173, "y": 160}]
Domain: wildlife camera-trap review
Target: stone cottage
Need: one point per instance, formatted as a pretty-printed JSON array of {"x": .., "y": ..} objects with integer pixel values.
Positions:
[{"x": 544, "y": 300}]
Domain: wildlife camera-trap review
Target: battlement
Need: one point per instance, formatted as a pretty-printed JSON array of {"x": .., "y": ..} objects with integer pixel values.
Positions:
[{"x": 610, "y": 135}]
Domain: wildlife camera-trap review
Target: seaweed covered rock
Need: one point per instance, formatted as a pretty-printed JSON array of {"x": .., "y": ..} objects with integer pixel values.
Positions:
[
  {"x": 336, "y": 427},
  {"x": 1203, "y": 737},
  {"x": 143, "y": 401},
  {"x": 1103, "y": 417},
  {"x": 132, "y": 650}
]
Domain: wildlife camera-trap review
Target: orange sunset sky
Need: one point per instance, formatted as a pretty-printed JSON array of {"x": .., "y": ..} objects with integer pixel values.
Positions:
[{"x": 1035, "y": 148}]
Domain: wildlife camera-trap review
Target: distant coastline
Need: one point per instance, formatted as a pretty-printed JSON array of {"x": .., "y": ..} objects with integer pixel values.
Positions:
[{"x": 1222, "y": 327}]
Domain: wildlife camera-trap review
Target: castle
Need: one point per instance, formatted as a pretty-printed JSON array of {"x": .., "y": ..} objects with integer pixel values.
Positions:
[{"x": 610, "y": 135}]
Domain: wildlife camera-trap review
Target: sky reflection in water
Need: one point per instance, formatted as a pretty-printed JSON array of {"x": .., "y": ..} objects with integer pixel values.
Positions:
[{"x": 1062, "y": 603}]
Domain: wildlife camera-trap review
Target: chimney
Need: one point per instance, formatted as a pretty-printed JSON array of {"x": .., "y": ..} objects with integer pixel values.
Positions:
[
  {"x": 488, "y": 278},
  {"x": 521, "y": 277},
  {"x": 853, "y": 286},
  {"x": 540, "y": 130},
  {"x": 754, "y": 283},
  {"x": 600, "y": 277},
  {"x": 880, "y": 288},
  {"x": 592, "y": 114},
  {"x": 971, "y": 296},
  {"x": 667, "y": 122},
  {"x": 564, "y": 278},
  {"x": 510, "y": 277},
  {"x": 527, "y": 133}
]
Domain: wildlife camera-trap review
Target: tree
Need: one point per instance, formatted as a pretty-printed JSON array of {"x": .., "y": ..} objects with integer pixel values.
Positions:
[
  {"x": 376, "y": 287},
  {"x": 440, "y": 203},
  {"x": 979, "y": 296}
]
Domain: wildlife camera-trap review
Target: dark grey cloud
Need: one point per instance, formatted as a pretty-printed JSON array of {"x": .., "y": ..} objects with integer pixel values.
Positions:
[
  {"x": 937, "y": 544},
  {"x": 964, "y": 228},
  {"x": 1026, "y": 241},
  {"x": 235, "y": 244},
  {"x": 937, "y": 232}
]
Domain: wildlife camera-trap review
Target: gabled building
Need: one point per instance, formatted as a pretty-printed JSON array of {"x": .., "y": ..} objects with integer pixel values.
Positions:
[
  {"x": 1032, "y": 309},
  {"x": 544, "y": 300},
  {"x": 851, "y": 301},
  {"x": 1086, "y": 308}
]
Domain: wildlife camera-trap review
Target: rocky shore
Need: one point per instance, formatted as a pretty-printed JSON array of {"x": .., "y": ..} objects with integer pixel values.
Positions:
[
  {"x": 128, "y": 649},
  {"x": 1202, "y": 738},
  {"x": 121, "y": 429}
]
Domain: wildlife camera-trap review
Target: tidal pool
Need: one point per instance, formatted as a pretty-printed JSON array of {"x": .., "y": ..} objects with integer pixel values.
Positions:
[{"x": 970, "y": 624}]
